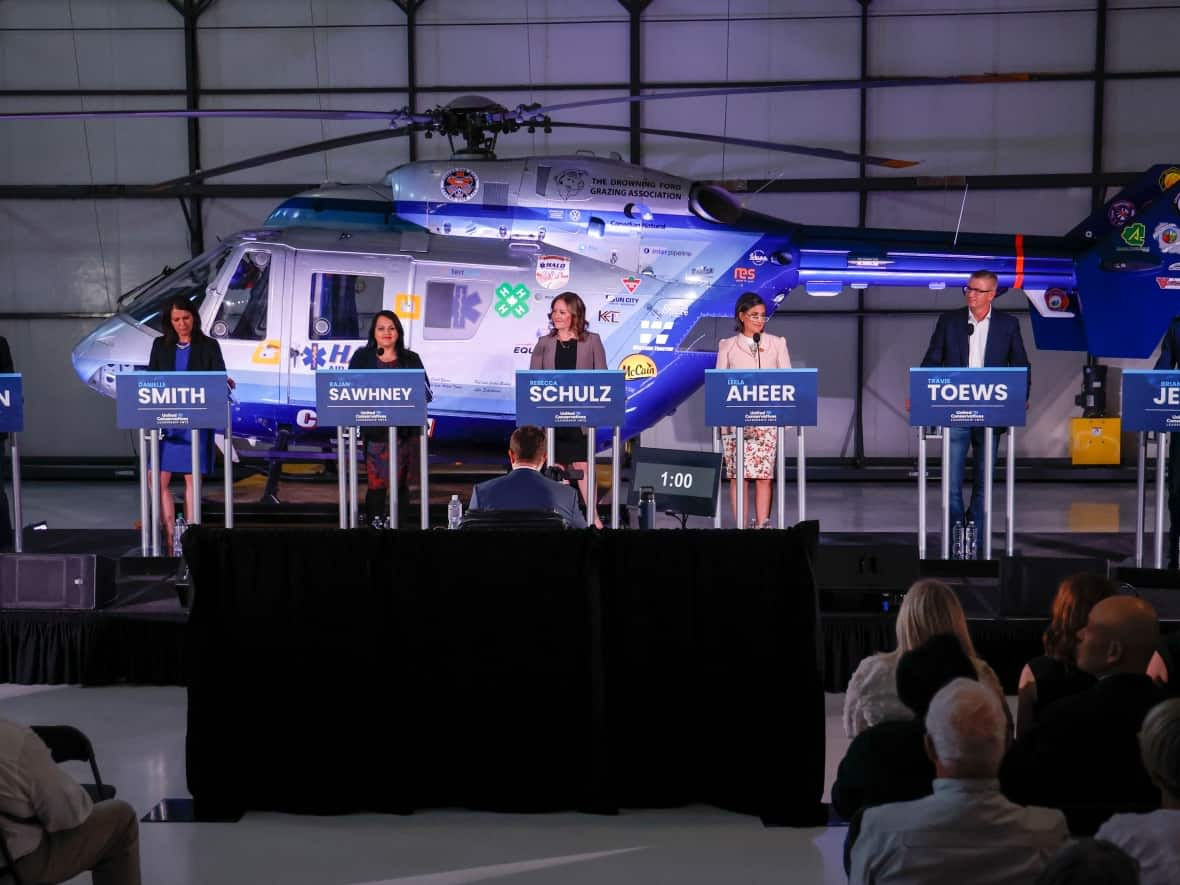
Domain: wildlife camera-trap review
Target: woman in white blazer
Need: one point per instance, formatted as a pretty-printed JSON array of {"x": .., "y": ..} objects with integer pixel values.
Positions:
[{"x": 743, "y": 352}]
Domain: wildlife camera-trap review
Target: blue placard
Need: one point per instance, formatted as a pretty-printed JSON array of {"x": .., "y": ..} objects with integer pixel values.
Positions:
[
  {"x": 761, "y": 397},
  {"x": 957, "y": 397},
  {"x": 555, "y": 398},
  {"x": 371, "y": 398},
  {"x": 171, "y": 400},
  {"x": 1151, "y": 400},
  {"x": 12, "y": 403}
]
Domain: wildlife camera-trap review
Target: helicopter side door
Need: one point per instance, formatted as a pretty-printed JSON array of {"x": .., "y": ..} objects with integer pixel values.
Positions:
[
  {"x": 333, "y": 300},
  {"x": 244, "y": 315}
]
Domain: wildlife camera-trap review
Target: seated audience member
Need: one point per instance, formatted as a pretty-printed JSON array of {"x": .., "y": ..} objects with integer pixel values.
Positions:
[
  {"x": 930, "y": 607},
  {"x": 1154, "y": 839},
  {"x": 1091, "y": 862},
  {"x": 525, "y": 487},
  {"x": 888, "y": 762},
  {"x": 966, "y": 832},
  {"x": 53, "y": 830},
  {"x": 1082, "y": 755},
  {"x": 1055, "y": 674}
]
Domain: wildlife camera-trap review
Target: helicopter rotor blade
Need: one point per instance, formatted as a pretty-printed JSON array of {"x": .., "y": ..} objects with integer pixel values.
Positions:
[
  {"x": 526, "y": 114},
  {"x": 802, "y": 150},
  {"x": 395, "y": 118},
  {"x": 287, "y": 154}
]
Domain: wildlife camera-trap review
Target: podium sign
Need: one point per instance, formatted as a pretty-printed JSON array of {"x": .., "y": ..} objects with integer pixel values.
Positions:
[
  {"x": 957, "y": 397},
  {"x": 1151, "y": 400},
  {"x": 555, "y": 398},
  {"x": 12, "y": 403},
  {"x": 171, "y": 400},
  {"x": 761, "y": 397},
  {"x": 371, "y": 398}
]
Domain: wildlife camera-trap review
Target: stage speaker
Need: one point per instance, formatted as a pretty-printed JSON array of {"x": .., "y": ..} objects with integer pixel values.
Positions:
[
  {"x": 975, "y": 581},
  {"x": 864, "y": 577},
  {"x": 56, "y": 581},
  {"x": 1030, "y": 582}
]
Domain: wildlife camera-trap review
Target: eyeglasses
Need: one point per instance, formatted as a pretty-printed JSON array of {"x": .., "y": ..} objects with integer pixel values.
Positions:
[
  {"x": 756, "y": 316},
  {"x": 967, "y": 290}
]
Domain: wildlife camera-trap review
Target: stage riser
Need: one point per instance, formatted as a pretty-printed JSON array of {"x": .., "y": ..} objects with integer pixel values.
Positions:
[{"x": 56, "y": 581}]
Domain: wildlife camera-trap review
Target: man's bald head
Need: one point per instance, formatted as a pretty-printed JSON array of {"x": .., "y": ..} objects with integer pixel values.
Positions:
[{"x": 1120, "y": 636}]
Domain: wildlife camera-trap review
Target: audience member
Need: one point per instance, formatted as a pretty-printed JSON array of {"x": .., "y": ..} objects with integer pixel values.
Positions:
[
  {"x": 888, "y": 762},
  {"x": 1090, "y": 862},
  {"x": 1164, "y": 661},
  {"x": 930, "y": 607},
  {"x": 524, "y": 487},
  {"x": 966, "y": 832},
  {"x": 1055, "y": 674},
  {"x": 52, "y": 829},
  {"x": 1154, "y": 839},
  {"x": 1082, "y": 755}
]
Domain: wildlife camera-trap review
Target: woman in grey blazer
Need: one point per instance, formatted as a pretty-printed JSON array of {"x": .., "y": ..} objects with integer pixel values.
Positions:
[{"x": 570, "y": 346}]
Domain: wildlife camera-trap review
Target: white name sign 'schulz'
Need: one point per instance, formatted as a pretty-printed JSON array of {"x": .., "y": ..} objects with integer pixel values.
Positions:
[{"x": 587, "y": 393}]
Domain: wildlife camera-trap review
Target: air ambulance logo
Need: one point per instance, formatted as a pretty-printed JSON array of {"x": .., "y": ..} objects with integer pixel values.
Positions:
[
  {"x": 1167, "y": 236},
  {"x": 459, "y": 185}
]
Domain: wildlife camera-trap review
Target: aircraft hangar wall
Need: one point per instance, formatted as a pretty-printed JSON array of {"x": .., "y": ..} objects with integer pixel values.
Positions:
[{"x": 70, "y": 243}]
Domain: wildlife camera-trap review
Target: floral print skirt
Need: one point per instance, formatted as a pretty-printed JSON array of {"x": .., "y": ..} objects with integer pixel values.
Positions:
[{"x": 761, "y": 445}]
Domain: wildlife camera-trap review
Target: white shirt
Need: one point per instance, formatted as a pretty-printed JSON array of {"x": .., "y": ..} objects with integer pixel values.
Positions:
[
  {"x": 1152, "y": 839},
  {"x": 977, "y": 341},
  {"x": 967, "y": 833},
  {"x": 32, "y": 785}
]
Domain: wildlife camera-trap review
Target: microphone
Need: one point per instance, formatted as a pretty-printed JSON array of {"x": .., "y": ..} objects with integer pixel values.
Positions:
[
  {"x": 381, "y": 350},
  {"x": 970, "y": 331},
  {"x": 757, "y": 350}
]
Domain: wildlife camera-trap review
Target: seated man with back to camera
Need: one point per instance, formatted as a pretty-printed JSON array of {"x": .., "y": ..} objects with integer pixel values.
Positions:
[{"x": 525, "y": 487}]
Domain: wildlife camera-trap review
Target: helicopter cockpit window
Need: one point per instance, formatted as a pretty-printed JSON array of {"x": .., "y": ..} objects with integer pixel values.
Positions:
[
  {"x": 188, "y": 281},
  {"x": 342, "y": 305},
  {"x": 454, "y": 309},
  {"x": 242, "y": 314}
]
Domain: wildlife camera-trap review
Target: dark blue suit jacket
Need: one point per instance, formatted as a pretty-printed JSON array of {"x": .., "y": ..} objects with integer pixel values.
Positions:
[
  {"x": 526, "y": 489},
  {"x": 949, "y": 345},
  {"x": 1170, "y": 348}
]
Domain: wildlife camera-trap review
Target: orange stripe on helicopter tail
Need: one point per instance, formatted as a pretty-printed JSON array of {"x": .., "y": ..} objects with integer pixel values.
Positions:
[{"x": 1019, "y": 282}]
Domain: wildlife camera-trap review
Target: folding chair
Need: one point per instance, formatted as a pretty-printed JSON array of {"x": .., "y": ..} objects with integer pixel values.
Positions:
[
  {"x": 68, "y": 744},
  {"x": 512, "y": 520}
]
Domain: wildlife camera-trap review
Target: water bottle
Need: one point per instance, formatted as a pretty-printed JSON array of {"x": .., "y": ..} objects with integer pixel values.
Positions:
[
  {"x": 647, "y": 507},
  {"x": 454, "y": 512},
  {"x": 970, "y": 541},
  {"x": 177, "y": 531},
  {"x": 957, "y": 538}
]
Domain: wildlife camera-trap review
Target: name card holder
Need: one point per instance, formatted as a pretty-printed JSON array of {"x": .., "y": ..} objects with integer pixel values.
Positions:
[
  {"x": 12, "y": 422},
  {"x": 949, "y": 397},
  {"x": 778, "y": 398},
  {"x": 355, "y": 399},
  {"x": 1151, "y": 404},
  {"x": 588, "y": 399},
  {"x": 153, "y": 402}
]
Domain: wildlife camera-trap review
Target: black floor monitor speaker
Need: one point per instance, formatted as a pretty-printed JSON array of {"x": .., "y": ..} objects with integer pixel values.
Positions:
[
  {"x": 56, "y": 581},
  {"x": 975, "y": 581},
  {"x": 864, "y": 577}
]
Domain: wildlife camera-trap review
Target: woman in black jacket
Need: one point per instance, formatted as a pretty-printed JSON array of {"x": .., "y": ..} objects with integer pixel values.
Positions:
[
  {"x": 182, "y": 348},
  {"x": 386, "y": 349}
]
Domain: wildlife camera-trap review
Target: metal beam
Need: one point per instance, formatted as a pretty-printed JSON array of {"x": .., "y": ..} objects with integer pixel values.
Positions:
[
  {"x": 192, "y": 88},
  {"x": 858, "y": 423},
  {"x": 1098, "y": 197},
  {"x": 635, "y": 9}
]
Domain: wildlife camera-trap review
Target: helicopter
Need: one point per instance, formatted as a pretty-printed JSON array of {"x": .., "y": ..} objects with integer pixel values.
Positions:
[{"x": 470, "y": 251}]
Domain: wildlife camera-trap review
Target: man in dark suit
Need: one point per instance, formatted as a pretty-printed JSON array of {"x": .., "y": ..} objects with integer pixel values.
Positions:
[
  {"x": 1083, "y": 755},
  {"x": 1170, "y": 359},
  {"x": 975, "y": 336},
  {"x": 525, "y": 488}
]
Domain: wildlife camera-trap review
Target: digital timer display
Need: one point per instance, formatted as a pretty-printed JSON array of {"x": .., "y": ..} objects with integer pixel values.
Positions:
[{"x": 684, "y": 482}]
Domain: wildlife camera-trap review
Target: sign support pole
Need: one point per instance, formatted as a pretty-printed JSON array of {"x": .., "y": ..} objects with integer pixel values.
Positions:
[
  {"x": 352, "y": 435},
  {"x": 424, "y": 470},
  {"x": 18, "y": 509},
  {"x": 1010, "y": 492},
  {"x": 989, "y": 435},
  {"x": 394, "y": 477},
  {"x": 946, "y": 493},
  {"x": 718, "y": 448},
  {"x": 921, "y": 493},
  {"x": 144, "y": 502},
  {"x": 550, "y": 446},
  {"x": 195, "y": 445},
  {"x": 154, "y": 448},
  {"x": 228, "y": 471},
  {"x": 801, "y": 473},
  {"x": 591, "y": 477},
  {"x": 341, "y": 478},
  {"x": 616, "y": 459},
  {"x": 1140, "y": 498},
  {"x": 780, "y": 473},
  {"x": 739, "y": 469},
  {"x": 1161, "y": 466}
]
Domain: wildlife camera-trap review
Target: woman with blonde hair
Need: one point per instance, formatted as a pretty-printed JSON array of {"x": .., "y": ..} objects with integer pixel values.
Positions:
[{"x": 930, "y": 607}]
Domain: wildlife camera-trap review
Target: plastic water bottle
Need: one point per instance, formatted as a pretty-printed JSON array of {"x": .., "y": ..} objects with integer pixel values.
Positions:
[
  {"x": 957, "y": 539},
  {"x": 177, "y": 532},
  {"x": 970, "y": 541},
  {"x": 647, "y": 507},
  {"x": 454, "y": 512}
]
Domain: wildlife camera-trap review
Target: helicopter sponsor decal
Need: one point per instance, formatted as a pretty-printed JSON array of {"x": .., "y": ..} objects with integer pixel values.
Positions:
[
  {"x": 1168, "y": 282},
  {"x": 657, "y": 331},
  {"x": 459, "y": 184},
  {"x": 638, "y": 188},
  {"x": 570, "y": 184},
  {"x": 1167, "y": 237},
  {"x": 609, "y": 316},
  {"x": 1057, "y": 300},
  {"x": 1169, "y": 177},
  {"x": 1120, "y": 212},
  {"x": 757, "y": 258},
  {"x": 553, "y": 271},
  {"x": 522, "y": 348},
  {"x": 317, "y": 356},
  {"x": 1135, "y": 235},
  {"x": 631, "y": 283},
  {"x": 667, "y": 252},
  {"x": 306, "y": 418},
  {"x": 267, "y": 353},
  {"x": 623, "y": 300},
  {"x": 636, "y": 367},
  {"x": 408, "y": 306},
  {"x": 512, "y": 301},
  {"x": 745, "y": 274}
]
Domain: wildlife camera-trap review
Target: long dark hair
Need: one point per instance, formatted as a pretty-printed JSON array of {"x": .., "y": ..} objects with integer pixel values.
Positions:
[
  {"x": 577, "y": 308},
  {"x": 1076, "y": 595},
  {"x": 399, "y": 346},
  {"x": 180, "y": 302},
  {"x": 744, "y": 303}
]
